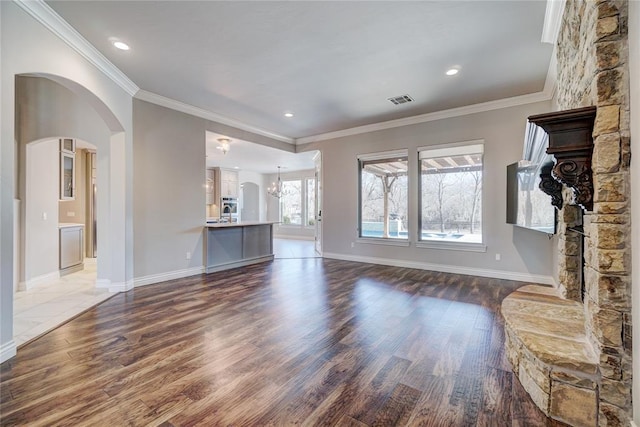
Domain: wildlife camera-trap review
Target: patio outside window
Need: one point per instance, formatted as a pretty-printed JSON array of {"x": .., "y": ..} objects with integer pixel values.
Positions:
[{"x": 383, "y": 196}]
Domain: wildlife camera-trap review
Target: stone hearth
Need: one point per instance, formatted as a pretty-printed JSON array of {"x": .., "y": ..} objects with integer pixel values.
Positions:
[{"x": 548, "y": 348}]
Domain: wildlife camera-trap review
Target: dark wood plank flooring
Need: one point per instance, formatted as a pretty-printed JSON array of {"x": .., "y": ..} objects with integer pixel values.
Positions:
[{"x": 304, "y": 341}]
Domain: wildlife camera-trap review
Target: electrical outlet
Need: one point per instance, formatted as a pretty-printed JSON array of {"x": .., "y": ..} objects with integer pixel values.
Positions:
[
  {"x": 71, "y": 213},
  {"x": 352, "y": 244},
  {"x": 498, "y": 257},
  {"x": 44, "y": 216},
  {"x": 188, "y": 255}
]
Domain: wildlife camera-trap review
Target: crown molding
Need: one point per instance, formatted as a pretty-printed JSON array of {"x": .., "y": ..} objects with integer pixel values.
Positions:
[
  {"x": 515, "y": 101},
  {"x": 205, "y": 114},
  {"x": 550, "y": 84},
  {"x": 552, "y": 20},
  {"x": 42, "y": 13}
]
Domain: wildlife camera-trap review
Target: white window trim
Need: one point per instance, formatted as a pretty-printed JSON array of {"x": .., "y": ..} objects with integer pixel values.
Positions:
[
  {"x": 453, "y": 146},
  {"x": 383, "y": 155},
  {"x": 452, "y": 246},
  {"x": 386, "y": 241}
]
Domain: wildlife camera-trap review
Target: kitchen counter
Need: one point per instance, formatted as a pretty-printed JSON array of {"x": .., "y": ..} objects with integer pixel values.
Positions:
[
  {"x": 236, "y": 244},
  {"x": 239, "y": 224}
]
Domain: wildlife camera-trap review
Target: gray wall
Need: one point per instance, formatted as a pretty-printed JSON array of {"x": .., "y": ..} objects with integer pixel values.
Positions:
[
  {"x": 526, "y": 254},
  {"x": 169, "y": 194}
]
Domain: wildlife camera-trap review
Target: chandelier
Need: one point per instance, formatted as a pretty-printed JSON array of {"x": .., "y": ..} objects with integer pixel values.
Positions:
[
  {"x": 223, "y": 145},
  {"x": 276, "y": 188}
]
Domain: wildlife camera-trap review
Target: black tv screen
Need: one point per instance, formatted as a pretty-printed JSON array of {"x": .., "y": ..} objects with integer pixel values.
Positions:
[{"x": 527, "y": 205}]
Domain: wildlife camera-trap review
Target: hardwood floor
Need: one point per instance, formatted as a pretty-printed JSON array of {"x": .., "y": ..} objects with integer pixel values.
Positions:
[{"x": 304, "y": 341}]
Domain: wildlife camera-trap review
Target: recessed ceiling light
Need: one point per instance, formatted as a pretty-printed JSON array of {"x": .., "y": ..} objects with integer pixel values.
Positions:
[
  {"x": 121, "y": 45},
  {"x": 452, "y": 71},
  {"x": 288, "y": 114}
]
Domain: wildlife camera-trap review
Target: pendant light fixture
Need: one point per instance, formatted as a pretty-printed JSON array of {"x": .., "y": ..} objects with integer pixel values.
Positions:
[{"x": 276, "y": 188}]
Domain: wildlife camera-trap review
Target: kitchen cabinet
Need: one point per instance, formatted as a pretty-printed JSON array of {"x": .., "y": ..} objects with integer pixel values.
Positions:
[
  {"x": 228, "y": 183},
  {"x": 67, "y": 169},
  {"x": 233, "y": 245},
  {"x": 67, "y": 176},
  {"x": 71, "y": 248},
  {"x": 210, "y": 186}
]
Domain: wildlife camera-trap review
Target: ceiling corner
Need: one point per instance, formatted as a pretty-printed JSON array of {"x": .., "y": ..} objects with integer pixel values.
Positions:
[{"x": 44, "y": 14}]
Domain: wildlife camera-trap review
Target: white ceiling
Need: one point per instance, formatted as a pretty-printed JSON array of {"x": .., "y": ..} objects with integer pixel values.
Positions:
[
  {"x": 253, "y": 157},
  {"x": 333, "y": 64}
]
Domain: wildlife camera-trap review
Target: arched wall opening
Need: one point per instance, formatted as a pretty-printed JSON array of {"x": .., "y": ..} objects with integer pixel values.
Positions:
[{"x": 51, "y": 107}]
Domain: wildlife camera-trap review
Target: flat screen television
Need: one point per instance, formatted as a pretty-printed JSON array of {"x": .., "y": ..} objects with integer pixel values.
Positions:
[{"x": 527, "y": 205}]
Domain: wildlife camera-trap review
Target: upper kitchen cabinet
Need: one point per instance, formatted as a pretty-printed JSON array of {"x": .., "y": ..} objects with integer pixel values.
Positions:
[
  {"x": 67, "y": 169},
  {"x": 210, "y": 186},
  {"x": 228, "y": 183}
]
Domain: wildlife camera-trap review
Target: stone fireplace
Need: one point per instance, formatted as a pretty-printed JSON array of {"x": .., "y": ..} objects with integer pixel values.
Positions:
[{"x": 571, "y": 346}]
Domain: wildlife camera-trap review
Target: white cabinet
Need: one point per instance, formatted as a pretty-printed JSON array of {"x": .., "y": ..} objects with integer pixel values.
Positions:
[
  {"x": 71, "y": 248},
  {"x": 228, "y": 183},
  {"x": 210, "y": 185}
]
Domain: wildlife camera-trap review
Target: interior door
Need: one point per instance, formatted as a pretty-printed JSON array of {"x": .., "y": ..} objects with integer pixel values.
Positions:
[{"x": 318, "y": 237}]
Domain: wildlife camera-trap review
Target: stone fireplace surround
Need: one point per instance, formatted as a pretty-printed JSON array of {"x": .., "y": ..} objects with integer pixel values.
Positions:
[{"x": 573, "y": 356}]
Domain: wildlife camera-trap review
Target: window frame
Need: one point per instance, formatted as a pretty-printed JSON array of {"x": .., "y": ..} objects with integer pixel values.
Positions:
[
  {"x": 372, "y": 157},
  {"x": 459, "y": 148}
]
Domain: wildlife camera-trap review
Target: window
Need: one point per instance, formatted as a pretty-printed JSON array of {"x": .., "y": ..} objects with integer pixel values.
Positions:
[
  {"x": 311, "y": 202},
  {"x": 451, "y": 194},
  {"x": 291, "y": 202},
  {"x": 383, "y": 196},
  {"x": 297, "y": 204}
]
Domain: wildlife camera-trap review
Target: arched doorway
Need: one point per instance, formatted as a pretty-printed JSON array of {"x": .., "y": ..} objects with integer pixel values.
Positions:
[{"x": 50, "y": 108}]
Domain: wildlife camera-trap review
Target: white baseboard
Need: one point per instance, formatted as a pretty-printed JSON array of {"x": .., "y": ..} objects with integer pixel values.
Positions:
[
  {"x": 633, "y": 424},
  {"x": 7, "y": 351},
  {"x": 120, "y": 286},
  {"x": 43, "y": 280},
  {"x": 482, "y": 272},
  {"x": 163, "y": 277}
]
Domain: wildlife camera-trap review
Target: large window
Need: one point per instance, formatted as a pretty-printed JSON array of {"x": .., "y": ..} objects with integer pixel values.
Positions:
[
  {"x": 297, "y": 204},
  {"x": 451, "y": 194},
  {"x": 383, "y": 196},
  {"x": 291, "y": 202}
]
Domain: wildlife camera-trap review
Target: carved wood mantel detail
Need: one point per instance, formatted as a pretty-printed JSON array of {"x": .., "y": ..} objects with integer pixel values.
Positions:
[
  {"x": 571, "y": 143},
  {"x": 550, "y": 186}
]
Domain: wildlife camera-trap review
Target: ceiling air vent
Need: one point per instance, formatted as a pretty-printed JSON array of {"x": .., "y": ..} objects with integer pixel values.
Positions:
[{"x": 402, "y": 99}]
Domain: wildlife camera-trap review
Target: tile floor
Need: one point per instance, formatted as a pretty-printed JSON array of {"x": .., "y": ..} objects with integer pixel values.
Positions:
[
  {"x": 289, "y": 248},
  {"x": 45, "y": 307}
]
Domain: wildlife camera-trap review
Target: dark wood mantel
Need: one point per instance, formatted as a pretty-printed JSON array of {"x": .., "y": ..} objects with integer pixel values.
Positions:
[{"x": 571, "y": 143}]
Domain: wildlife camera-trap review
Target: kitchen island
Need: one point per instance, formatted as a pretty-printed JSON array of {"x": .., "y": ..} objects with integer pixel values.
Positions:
[{"x": 231, "y": 245}]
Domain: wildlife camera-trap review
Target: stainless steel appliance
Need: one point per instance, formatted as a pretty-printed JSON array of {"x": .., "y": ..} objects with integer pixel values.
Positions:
[{"x": 229, "y": 208}]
